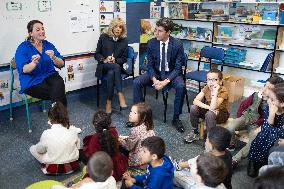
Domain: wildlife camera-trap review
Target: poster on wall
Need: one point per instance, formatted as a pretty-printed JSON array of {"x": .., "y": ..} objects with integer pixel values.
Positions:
[
  {"x": 155, "y": 12},
  {"x": 120, "y": 6},
  {"x": 120, "y": 15},
  {"x": 147, "y": 29},
  {"x": 106, "y": 18},
  {"x": 106, "y": 6}
]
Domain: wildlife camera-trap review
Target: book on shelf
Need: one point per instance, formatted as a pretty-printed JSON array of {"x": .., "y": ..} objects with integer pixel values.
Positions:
[
  {"x": 176, "y": 11},
  {"x": 180, "y": 32},
  {"x": 185, "y": 10},
  {"x": 203, "y": 34}
]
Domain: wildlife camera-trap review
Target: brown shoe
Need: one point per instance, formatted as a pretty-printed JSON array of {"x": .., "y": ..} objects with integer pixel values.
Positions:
[
  {"x": 108, "y": 107},
  {"x": 122, "y": 102}
]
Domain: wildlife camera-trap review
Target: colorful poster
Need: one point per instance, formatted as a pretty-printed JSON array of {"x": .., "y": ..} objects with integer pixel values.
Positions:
[
  {"x": 155, "y": 12},
  {"x": 147, "y": 29}
]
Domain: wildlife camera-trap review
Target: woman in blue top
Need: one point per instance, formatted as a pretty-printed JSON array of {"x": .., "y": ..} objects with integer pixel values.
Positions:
[
  {"x": 271, "y": 130},
  {"x": 35, "y": 61}
]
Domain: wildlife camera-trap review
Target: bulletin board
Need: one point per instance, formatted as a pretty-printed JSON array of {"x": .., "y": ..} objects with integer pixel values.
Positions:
[{"x": 71, "y": 25}]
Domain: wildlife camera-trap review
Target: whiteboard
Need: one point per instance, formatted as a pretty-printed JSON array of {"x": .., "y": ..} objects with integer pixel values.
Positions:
[{"x": 69, "y": 37}]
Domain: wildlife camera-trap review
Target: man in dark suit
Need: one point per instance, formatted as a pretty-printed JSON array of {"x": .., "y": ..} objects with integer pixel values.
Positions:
[{"x": 165, "y": 56}]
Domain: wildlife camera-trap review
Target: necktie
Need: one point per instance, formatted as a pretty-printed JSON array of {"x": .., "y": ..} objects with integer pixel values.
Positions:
[{"x": 163, "y": 62}]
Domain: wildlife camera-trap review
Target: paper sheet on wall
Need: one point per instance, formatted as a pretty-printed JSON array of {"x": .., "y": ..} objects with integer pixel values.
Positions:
[
  {"x": 78, "y": 21},
  {"x": 106, "y": 18},
  {"x": 155, "y": 12},
  {"x": 44, "y": 5},
  {"x": 120, "y": 6},
  {"x": 106, "y": 6},
  {"x": 120, "y": 15}
]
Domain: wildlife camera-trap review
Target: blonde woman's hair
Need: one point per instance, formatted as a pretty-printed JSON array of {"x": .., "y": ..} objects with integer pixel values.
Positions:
[{"x": 116, "y": 22}]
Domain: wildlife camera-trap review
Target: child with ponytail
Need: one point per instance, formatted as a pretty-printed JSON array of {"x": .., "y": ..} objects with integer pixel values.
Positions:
[{"x": 105, "y": 139}]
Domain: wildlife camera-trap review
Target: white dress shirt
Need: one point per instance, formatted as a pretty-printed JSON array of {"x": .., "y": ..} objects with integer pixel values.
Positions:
[{"x": 166, "y": 50}]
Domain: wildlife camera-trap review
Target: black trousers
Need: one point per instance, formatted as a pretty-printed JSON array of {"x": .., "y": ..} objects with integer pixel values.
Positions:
[
  {"x": 114, "y": 80},
  {"x": 52, "y": 88}
]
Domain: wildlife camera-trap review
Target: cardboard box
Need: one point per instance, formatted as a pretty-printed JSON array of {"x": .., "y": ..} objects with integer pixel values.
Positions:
[{"x": 235, "y": 86}]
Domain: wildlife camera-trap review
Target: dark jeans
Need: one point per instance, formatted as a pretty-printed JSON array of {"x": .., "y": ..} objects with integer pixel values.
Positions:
[
  {"x": 211, "y": 119},
  {"x": 177, "y": 83},
  {"x": 113, "y": 73},
  {"x": 52, "y": 88}
]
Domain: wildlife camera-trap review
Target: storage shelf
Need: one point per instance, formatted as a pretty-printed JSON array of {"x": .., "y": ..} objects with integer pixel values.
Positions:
[
  {"x": 195, "y": 40},
  {"x": 235, "y": 45},
  {"x": 227, "y": 22},
  {"x": 278, "y": 73},
  {"x": 233, "y": 66}
]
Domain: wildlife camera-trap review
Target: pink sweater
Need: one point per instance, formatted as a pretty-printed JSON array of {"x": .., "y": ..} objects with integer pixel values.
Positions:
[{"x": 133, "y": 144}]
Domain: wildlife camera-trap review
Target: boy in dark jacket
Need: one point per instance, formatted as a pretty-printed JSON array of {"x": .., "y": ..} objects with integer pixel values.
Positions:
[
  {"x": 160, "y": 170},
  {"x": 250, "y": 116}
]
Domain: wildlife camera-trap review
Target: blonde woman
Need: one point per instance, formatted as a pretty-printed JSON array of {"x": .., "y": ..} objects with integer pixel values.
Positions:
[{"x": 111, "y": 53}]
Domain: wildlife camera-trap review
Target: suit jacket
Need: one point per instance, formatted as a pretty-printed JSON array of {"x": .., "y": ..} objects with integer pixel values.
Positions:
[
  {"x": 106, "y": 47},
  {"x": 175, "y": 58}
]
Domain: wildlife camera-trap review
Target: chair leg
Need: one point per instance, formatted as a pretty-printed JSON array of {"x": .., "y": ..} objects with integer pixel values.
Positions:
[
  {"x": 43, "y": 106},
  {"x": 165, "y": 99},
  {"x": 11, "y": 104},
  {"x": 28, "y": 113},
  {"x": 187, "y": 101},
  {"x": 98, "y": 93}
]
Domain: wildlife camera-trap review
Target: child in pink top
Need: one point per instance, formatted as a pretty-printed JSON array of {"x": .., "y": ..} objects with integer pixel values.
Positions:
[{"x": 141, "y": 117}]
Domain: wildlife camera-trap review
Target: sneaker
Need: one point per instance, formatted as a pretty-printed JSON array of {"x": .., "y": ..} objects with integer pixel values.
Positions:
[
  {"x": 231, "y": 148},
  {"x": 235, "y": 164},
  {"x": 191, "y": 137},
  {"x": 175, "y": 163},
  {"x": 178, "y": 125}
]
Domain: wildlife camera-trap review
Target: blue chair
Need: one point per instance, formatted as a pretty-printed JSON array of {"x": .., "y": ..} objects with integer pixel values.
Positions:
[
  {"x": 128, "y": 68},
  {"x": 211, "y": 53},
  {"x": 12, "y": 88},
  {"x": 165, "y": 91}
]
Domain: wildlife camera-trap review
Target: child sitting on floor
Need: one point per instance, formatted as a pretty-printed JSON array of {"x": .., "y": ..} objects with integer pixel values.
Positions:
[
  {"x": 271, "y": 131},
  {"x": 160, "y": 170},
  {"x": 250, "y": 117},
  {"x": 141, "y": 118},
  {"x": 209, "y": 171},
  {"x": 215, "y": 108},
  {"x": 58, "y": 148},
  {"x": 99, "y": 169},
  {"x": 273, "y": 178},
  {"x": 105, "y": 139},
  {"x": 218, "y": 139}
]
